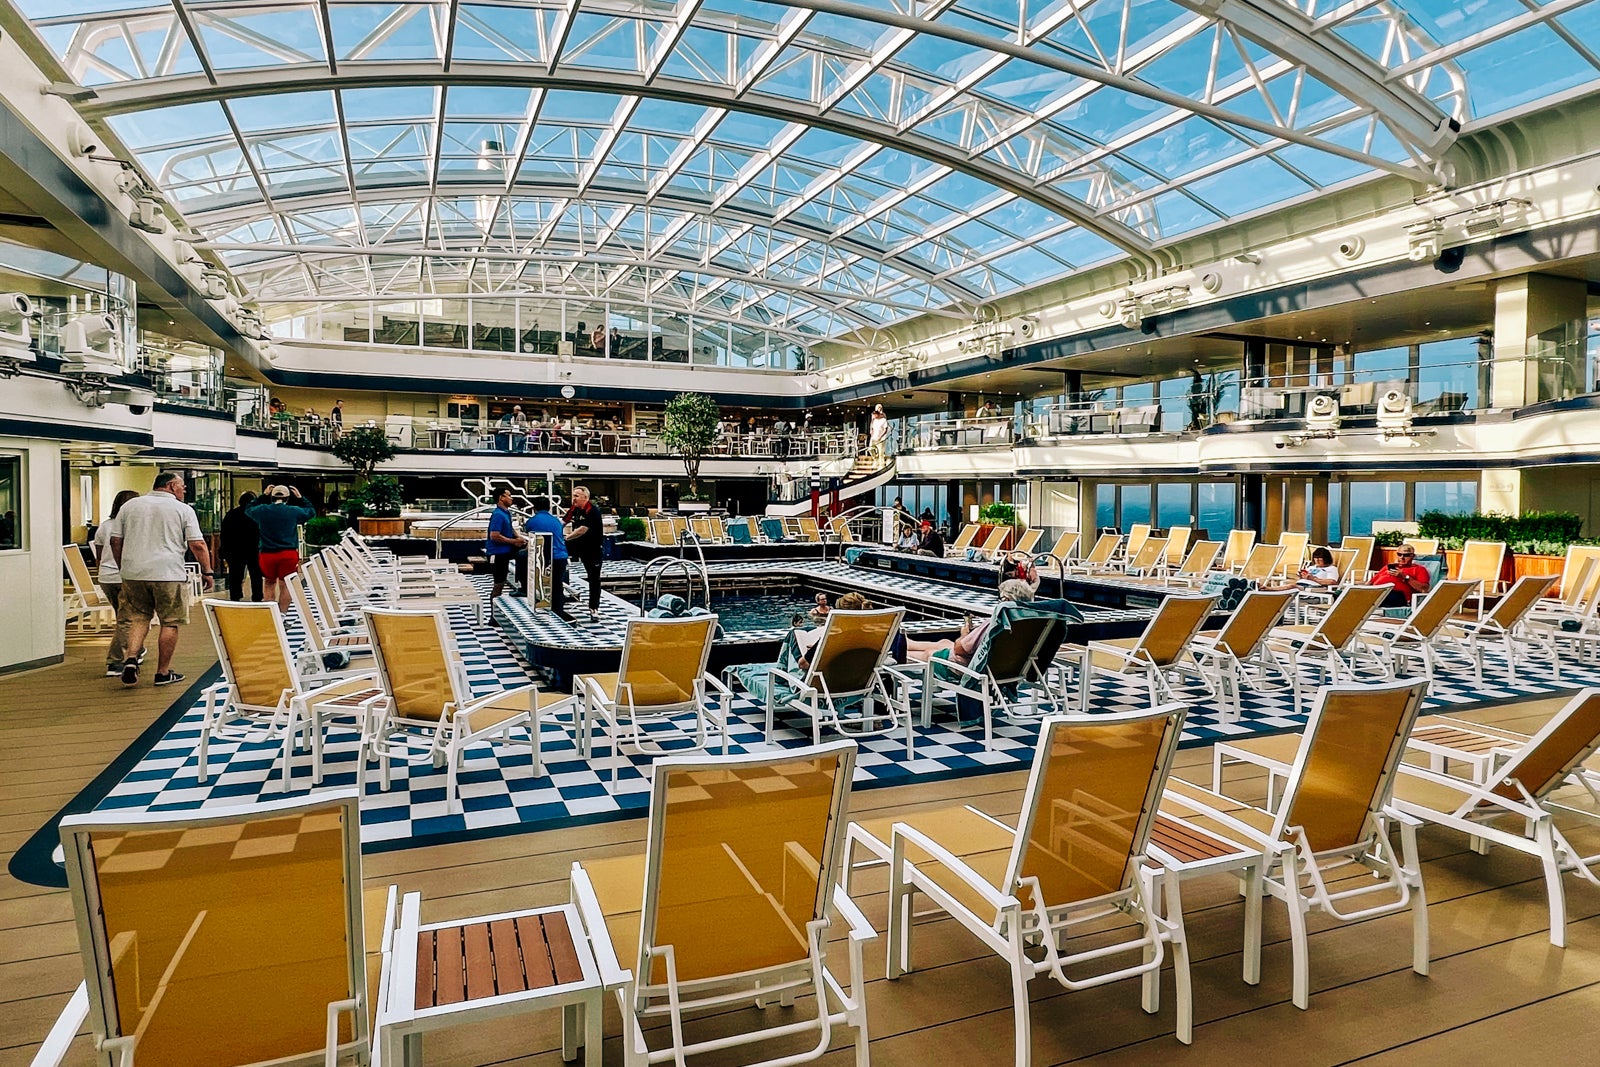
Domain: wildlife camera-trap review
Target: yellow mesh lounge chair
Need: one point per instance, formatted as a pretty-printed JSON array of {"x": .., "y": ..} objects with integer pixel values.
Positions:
[
  {"x": 963, "y": 540},
  {"x": 702, "y": 527},
  {"x": 733, "y": 901},
  {"x": 1520, "y": 807},
  {"x": 1080, "y": 849},
  {"x": 1150, "y": 556},
  {"x": 1262, "y": 563},
  {"x": 1238, "y": 654},
  {"x": 262, "y": 697},
  {"x": 1197, "y": 564},
  {"x": 1413, "y": 637},
  {"x": 1237, "y": 548},
  {"x": 1503, "y": 626},
  {"x": 326, "y": 647},
  {"x": 843, "y": 684},
  {"x": 1481, "y": 561},
  {"x": 85, "y": 601},
  {"x": 1029, "y": 542},
  {"x": 841, "y": 531},
  {"x": 990, "y": 549},
  {"x": 661, "y": 532},
  {"x": 1333, "y": 644},
  {"x": 1152, "y": 654},
  {"x": 1294, "y": 553},
  {"x": 1364, "y": 546},
  {"x": 429, "y": 713},
  {"x": 1178, "y": 538},
  {"x": 662, "y": 675},
  {"x": 1344, "y": 561},
  {"x": 218, "y": 938},
  {"x": 809, "y": 530},
  {"x": 1332, "y": 827},
  {"x": 1066, "y": 547},
  {"x": 1423, "y": 546},
  {"x": 1138, "y": 533},
  {"x": 1099, "y": 557}
]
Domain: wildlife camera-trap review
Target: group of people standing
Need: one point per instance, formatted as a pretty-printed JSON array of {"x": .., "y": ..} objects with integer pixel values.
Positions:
[{"x": 579, "y": 535}]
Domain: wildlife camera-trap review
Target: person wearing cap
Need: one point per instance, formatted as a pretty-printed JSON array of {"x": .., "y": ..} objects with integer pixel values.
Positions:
[
  {"x": 279, "y": 521},
  {"x": 932, "y": 544}
]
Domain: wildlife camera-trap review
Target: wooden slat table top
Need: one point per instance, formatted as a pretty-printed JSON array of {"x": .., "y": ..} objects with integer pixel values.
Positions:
[
  {"x": 1186, "y": 844},
  {"x": 457, "y": 964}
]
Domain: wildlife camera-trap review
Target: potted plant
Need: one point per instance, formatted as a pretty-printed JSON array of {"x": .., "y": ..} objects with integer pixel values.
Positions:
[
  {"x": 997, "y": 514},
  {"x": 363, "y": 447},
  {"x": 376, "y": 508},
  {"x": 689, "y": 428},
  {"x": 630, "y": 528},
  {"x": 324, "y": 530}
]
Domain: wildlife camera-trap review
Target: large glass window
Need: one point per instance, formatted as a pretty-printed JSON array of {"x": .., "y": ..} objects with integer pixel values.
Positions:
[
  {"x": 1174, "y": 504},
  {"x": 1105, "y": 506},
  {"x": 1135, "y": 506},
  {"x": 1218, "y": 508},
  {"x": 1447, "y": 375},
  {"x": 12, "y": 519},
  {"x": 1335, "y": 510},
  {"x": 1453, "y": 498},
  {"x": 1372, "y": 502}
]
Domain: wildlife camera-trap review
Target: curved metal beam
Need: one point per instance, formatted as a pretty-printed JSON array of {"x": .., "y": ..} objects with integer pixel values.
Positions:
[
  {"x": 368, "y": 196},
  {"x": 183, "y": 89}
]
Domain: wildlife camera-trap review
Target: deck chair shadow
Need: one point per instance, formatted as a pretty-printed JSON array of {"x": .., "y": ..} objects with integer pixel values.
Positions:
[
  {"x": 429, "y": 712},
  {"x": 662, "y": 675},
  {"x": 1519, "y": 806},
  {"x": 732, "y": 902},
  {"x": 264, "y": 696},
  {"x": 1332, "y": 828},
  {"x": 1079, "y": 849},
  {"x": 218, "y": 938}
]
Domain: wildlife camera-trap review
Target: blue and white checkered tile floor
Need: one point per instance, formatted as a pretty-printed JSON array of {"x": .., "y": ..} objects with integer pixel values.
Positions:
[{"x": 500, "y": 795}]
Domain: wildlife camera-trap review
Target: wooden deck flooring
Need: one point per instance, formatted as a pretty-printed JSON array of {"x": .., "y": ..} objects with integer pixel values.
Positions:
[{"x": 1498, "y": 990}]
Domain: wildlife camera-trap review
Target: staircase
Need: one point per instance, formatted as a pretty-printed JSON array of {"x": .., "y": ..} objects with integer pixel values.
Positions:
[{"x": 864, "y": 476}]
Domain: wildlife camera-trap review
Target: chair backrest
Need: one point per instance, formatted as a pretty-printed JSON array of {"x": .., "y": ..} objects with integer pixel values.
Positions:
[
  {"x": 1178, "y": 544},
  {"x": 296, "y": 585},
  {"x": 841, "y": 530},
  {"x": 248, "y": 916},
  {"x": 663, "y": 659},
  {"x": 253, "y": 650},
  {"x": 414, "y": 662},
  {"x": 321, "y": 587},
  {"x": 1200, "y": 558},
  {"x": 728, "y": 852},
  {"x": 1344, "y": 561},
  {"x": 1294, "y": 551},
  {"x": 1238, "y": 547},
  {"x": 719, "y": 529},
  {"x": 1138, "y": 533},
  {"x": 1524, "y": 594},
  {"x": 1346, "y": 763},
  {"x": 853, "y": 645},
  {"x": 1364, "y": 547},
  {"x": 1580, "y": 574},
  {"x": 1150, "y": 554},
  {"x": 997, "y": 537},
  {"x": 1104, "y": 547},
  {"x": 1261, "y": 563},
  {"x": 1252, "y": 620},
  {"x": 1029, "y": 541},
  {"x": 1090, "y": 801},
  {"x": 1546, "y": 759},
  {"x": 1066, "y": 545},
  {"x": 78, "y": 575},
  {"x": 680, "y": 526},
  {"x": 739, "y": 532},
  {"x": 702, "y": 527},
  {"x": 964, "y": 538},
  {"x": 1349, "y": 610},
  {"x": 1422, "y": 546},
  {"x": 1481, "y": 561},
  {"x": 1022, "y": 640},
  {"x": 1436, "y": 609},
  {"x": 772, "y": 529},
  {"x": 1172, "y": 627},
  {"x": 809, "y": 529}
]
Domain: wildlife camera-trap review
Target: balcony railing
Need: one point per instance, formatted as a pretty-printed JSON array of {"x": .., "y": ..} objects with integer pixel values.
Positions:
[
  {"x": 1449, "y": 388},
  {"x": 929, "y": 435}
]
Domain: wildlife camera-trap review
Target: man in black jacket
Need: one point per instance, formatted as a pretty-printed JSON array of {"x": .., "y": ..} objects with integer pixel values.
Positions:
[
  {"x": 241, "y": 546},
  {"x": 585, "y": 534}
]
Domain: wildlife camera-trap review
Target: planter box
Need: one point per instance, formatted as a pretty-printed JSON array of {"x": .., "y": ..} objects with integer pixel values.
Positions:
[
  {"x": 395, "y": 527},
  {"x": 1538, "y": 565}
]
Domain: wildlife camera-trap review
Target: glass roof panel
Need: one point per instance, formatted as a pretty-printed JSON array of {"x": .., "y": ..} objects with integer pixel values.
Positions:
[{"x": 1499, "y": 70}]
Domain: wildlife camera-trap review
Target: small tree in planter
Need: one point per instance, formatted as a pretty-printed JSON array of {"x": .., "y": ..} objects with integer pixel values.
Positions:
[
  {"x": 376, "y": 507},
  {"x": 689, "y": 428},
  {"x": 324, "y": 530},
  {"x": 364, "y": 448}
]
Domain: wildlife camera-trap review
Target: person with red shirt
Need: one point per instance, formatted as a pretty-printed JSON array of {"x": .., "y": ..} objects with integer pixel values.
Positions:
[{"x": 1405, "y": 577}]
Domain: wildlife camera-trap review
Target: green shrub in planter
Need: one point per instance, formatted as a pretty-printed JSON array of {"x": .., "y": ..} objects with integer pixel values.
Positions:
[
  {"x": 998, "y": 514},
  {"x": 1389, "y": 539},
  {"x": 630, "y": 528},
  {"x": 324, "y": 530},
  {"x": 1536, "y": 533}
]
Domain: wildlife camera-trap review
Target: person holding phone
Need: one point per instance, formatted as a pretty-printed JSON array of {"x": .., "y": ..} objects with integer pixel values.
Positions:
[{"x": 1405, "y": 577}]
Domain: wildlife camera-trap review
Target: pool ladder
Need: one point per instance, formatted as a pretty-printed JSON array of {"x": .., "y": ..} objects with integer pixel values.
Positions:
[{"x": 661, "y": 567}]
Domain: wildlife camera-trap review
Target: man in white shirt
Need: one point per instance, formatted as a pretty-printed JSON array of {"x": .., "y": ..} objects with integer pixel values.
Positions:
[{"x": 156, "y": 530}]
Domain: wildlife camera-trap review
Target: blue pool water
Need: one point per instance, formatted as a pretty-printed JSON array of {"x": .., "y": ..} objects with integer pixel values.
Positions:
[{"x": 762, "y": 611}]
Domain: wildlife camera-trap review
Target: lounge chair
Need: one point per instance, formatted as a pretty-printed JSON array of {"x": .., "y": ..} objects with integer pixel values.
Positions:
[
  {"x": 1364, "y": 548},
  {"x": 1518, "y": 807},
  {"x": 1333, "y": 644},
  {"x": 1152, "y": 654},
  {"x": 1011, "y": 669},
  {"x": 842, "y": 683},
  {"x": 264, "y": 697},
  {"x": 1294, "y": 553},
  {"x": 1138, "y": 533},
  {"x": 429, "y": 712},
  {"x": 1099, "y": 557},
  {"x": 740, "y": 533},
  {"x": 86, "y": 601},
  {"x": 1503, "y": 626},
  {"x": 732, "y": 901},
  {"x": 1238, "y": 654},
  {"x": 1150, "y": 558},
  {"x": 706, "y": 529},
  {"x": 963, "y": 540},
  {"x": 662, "y": 675},
  {"x": 1331, "y": 830},
  {"x": 1262, "y": 563},
  {"x": 1481, "y": 561},
  {"x": 1197, "y": 564},
  {"x": 1028, "y": 542},
  {"x": 840, "y": 531},
  {"x": 1414, "y": 637},
  {"x": 1422, "y": 546},
  {"x": 1080, "y": 849},
  {"x": 772, "y": 530},
  {"x": 218, "y": 938},
  {"x": 329, "y": 652},
  {"x": 993, "y": 545},
  {"x": 1237, "y": 548},
  {"x": 1178, "y": 538},
  {"x": 1066, "y": 547}
]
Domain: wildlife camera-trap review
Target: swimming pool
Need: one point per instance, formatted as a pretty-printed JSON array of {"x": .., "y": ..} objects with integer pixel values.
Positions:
[{"x": 760, "y": 611}]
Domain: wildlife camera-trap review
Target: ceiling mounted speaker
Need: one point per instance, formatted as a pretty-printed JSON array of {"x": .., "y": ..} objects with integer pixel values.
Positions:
[
  {"x": 1211, "y": 281},
  {"x": 1352, "y": 247}
]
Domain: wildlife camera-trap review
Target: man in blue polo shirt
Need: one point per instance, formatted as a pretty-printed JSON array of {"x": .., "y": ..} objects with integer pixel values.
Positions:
[
  {"x": 542, "y": 522},
  {"x": 503, "y": 542}
]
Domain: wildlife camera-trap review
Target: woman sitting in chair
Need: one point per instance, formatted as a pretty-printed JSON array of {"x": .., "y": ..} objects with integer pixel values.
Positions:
[
  {"x": 962, "y": 648},
  {"x": 1319, "y": 574}
]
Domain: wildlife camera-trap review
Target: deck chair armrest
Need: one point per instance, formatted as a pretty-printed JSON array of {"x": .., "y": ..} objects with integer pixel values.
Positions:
[
  {"x": 956, "y": 866},
  {"x": 1476, "y": 795},
  {"x": 54, "y": 1049},
  {"x": 860, "y": 928},
  {"x": 961, "y": 669},
  {"x": 1247, "y": 834},
  {"x": 469, "y": 706},
  {"x": 593, "y": 921},
  {"x": 779, "y": 672},
  {"x": 711, "y": 681},
  {"x": 344, "y": 684},
  {"x": 1399, "y": 817}
]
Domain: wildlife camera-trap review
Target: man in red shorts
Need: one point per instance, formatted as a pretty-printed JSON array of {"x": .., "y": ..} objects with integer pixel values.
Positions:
[{"x": 279, "y": 521}]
